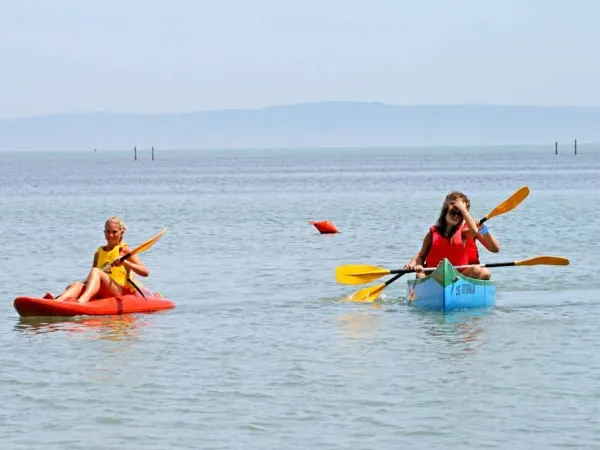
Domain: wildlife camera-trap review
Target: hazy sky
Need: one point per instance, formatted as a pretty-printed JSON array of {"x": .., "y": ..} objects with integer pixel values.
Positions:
[{"x": 186, "y": 55}]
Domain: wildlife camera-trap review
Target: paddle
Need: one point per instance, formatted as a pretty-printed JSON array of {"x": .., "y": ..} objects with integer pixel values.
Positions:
[
  {"x": 351, "y": 273},
  {"x": 370, "y": 294},
  {"x": 355, "y": 274}
]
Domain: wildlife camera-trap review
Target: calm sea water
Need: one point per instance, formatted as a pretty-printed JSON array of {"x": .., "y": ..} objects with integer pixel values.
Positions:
[{"x": 260, "y": 353}]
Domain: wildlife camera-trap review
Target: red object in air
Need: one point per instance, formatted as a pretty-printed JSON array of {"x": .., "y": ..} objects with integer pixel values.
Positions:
[{"x": 324, "y": 226}]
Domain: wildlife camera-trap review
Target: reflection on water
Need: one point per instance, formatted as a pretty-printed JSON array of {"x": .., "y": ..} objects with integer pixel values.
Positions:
[
  {"x": 360, "y": 323},
  {"x": 113, "y": 328},
  {"x": 460, "y": 329}
]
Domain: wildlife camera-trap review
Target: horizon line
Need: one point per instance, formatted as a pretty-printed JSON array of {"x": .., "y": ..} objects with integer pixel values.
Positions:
[
  {"x": 316, "y": 148},
  {"x": 287, "y": 105}
]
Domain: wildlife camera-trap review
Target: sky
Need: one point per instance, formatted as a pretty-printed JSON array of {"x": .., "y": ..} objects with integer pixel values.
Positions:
[{"x": 157, "y": 56}]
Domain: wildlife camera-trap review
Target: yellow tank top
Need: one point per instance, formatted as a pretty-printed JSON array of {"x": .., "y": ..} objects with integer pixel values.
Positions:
[{"x": 118, "y": 274}]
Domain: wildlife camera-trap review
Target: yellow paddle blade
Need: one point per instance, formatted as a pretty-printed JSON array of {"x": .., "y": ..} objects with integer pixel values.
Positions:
[
  {"x": 359, "y": 274},
  {"x": 510, "y": 203},
  {"x": 146, "y": 245},
  {"x": 365, "y": 295},
  {"x": 544, "y": 260}
]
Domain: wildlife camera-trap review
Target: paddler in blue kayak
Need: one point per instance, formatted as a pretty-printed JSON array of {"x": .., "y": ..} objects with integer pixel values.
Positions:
[
  {"x": 108, "y": 277},
  {"x": 454, "y": 237}
]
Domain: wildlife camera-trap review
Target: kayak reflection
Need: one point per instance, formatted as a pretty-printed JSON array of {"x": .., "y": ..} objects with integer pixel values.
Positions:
[
  {"x": 460, "y": 329},
  {"x": 113, "y": 328}
]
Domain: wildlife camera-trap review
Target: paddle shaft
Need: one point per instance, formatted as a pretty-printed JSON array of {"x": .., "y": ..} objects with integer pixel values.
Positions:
[
  {"x": 394, "y": 278},
  {"x": 121, "y": 259},
  {"x": 431, "y": 269},
  {"x": 136, "y": 287},
  {"x": 537, "y": 261},
  {"x": 127, "y": 256}
]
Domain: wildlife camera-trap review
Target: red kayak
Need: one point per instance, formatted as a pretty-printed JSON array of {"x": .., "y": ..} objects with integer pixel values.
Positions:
[{"x": 126, "y": 304}]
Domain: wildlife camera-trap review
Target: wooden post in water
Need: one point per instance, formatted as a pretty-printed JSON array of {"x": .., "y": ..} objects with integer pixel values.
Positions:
[
  {"x": 575, "y": 146},
  {"x": 153, "y": 153},
  {"x": 135, "y": 153},
  {"x": 556, "y": 148}
]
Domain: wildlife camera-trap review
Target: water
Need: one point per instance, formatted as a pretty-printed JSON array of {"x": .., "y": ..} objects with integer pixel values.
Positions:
[{"x": 260, "y": 353}]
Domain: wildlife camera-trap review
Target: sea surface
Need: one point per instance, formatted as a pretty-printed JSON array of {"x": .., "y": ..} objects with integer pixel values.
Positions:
[{"x": 260, "y": 353}]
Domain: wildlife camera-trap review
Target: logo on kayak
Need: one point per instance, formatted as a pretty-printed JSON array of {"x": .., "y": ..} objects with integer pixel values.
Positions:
[{"x": 465, "y": 289}]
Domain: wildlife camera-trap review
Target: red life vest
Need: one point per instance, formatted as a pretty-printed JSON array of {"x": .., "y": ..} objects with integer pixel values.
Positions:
[
  {"x": 450, "y": 248},
  {"x": 471, "y": 246}
]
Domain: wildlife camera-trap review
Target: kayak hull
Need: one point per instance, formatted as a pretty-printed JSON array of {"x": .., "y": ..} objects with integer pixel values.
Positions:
[
  {"x": 446, "y": 289},
  {"x": 126, "y": 304}
]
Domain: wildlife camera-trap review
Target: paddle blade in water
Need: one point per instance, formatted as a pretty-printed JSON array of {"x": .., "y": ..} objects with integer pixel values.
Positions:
[
  {"x": 544, "y": 260},
  {"x": 510, "y": 203},
  {"x": 366, "y": 295},
  {"x": 358, "y": 274}
]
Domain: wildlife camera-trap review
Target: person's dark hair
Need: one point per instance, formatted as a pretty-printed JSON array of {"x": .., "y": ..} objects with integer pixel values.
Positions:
[{"x": 441, "y": 222}]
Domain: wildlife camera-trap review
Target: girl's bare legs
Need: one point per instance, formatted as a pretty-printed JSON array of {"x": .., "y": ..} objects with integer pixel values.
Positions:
[
  {"x": 479, "y": 273},
  {"x": 74, "y": 290},
  {"x": 99, "y": 282}
]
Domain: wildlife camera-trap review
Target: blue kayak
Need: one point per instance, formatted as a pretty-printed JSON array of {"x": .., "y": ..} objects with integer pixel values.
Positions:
[{"x": 446, "y": 289}]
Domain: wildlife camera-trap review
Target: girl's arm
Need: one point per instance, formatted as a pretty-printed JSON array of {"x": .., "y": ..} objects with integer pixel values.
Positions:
[
  {"x": 420, "y": 257},
  {"x": 488, "y": 240},
  {"x": 462, "y": 207},
  {"x": 93, "y": 265},
  {"x": 133, "y": 264}
]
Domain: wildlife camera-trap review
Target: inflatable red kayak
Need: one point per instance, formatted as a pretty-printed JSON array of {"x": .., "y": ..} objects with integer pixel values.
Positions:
[{"x": 126, "y": 304}]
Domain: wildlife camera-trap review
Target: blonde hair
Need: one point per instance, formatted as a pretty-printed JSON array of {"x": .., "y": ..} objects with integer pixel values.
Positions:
[{"x": 119, "y": 223}]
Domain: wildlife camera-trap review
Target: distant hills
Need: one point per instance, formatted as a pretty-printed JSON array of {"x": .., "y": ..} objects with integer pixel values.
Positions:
[{"x": 325, "y": 124}]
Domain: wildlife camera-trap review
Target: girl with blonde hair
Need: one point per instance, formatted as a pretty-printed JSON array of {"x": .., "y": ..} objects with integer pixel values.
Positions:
[{"x": 109, "y": 277}]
